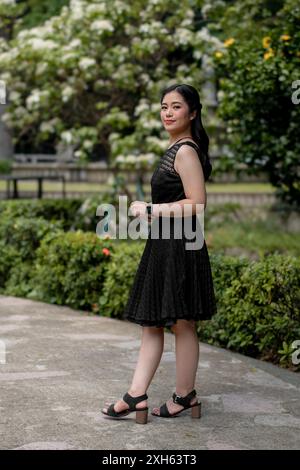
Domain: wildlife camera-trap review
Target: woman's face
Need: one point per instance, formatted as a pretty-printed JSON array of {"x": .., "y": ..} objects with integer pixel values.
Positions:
[{"x": 174, "y": 113}]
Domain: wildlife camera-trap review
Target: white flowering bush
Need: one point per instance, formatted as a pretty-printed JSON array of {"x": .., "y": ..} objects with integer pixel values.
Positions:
[
  {"x": 92, "y": 75},
  {"x": 143, "y": 161}
]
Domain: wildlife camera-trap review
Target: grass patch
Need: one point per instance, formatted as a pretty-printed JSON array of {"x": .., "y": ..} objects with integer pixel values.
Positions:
[{"x": 98, "y": 187}]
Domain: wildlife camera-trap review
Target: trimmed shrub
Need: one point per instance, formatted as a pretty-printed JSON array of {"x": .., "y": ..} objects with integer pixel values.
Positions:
[
  {"x": 9, "y": 257},
  {"x": 52, "y": 210},
  {"x": 119, "y": 278},
  {"x": 70, "y": 269},
  {"x": 25, "y": 234},
  {"x": 85, "y": 217},
  {"x": 224, "y": 270},
  {"x": 259, "y": 312},
  {"x": 19, "y": 282}
]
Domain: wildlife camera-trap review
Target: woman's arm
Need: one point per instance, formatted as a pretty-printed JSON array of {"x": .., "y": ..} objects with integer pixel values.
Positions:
[{"x": 189, "y": 168}]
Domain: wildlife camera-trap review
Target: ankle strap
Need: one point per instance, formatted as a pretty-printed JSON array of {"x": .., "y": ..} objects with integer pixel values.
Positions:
[
  {"x": 132, "y": 401},
  {"x": 184, "y": 401}
]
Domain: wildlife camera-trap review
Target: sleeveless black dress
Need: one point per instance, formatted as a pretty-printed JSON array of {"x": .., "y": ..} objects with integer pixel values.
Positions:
[{"x": 171, "y": 282}]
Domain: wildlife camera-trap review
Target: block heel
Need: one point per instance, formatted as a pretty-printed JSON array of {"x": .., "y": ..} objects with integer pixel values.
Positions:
[
  {"x": 183, "y": 401},
  {"x": 196, "y": 411},
  {"x": 141, "y": 416}
]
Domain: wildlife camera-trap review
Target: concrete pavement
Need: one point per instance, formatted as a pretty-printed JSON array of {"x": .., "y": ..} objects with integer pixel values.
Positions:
[{"x": 58, "y": 366}]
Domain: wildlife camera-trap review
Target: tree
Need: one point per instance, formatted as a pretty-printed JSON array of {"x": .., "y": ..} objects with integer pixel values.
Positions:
[
  {"x": 91, "y": 76},
  {"x": 15, "y": 15},
  {"x": 256, "y": 75}
]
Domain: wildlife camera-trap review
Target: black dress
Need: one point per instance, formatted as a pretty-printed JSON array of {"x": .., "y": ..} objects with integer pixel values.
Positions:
[{"x": 171, "y": 282}]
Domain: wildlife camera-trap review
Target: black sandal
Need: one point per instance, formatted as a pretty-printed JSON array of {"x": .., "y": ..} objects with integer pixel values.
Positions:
[
  {"x": 183, "y": 401},
  {"x": 141, "y": 416}
]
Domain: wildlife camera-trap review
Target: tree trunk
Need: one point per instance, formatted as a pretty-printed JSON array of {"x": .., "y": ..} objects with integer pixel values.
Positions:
[{"x": 6, "y": 145}]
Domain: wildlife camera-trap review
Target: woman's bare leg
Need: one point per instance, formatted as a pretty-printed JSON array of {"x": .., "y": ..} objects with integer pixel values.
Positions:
[
  {"x": 187, "y": 358},
  {"x": 150, "y": 353}
]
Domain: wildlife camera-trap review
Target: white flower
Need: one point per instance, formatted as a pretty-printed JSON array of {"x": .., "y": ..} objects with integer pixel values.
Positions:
[
  {"x": 86, "y": 62},
  {"x": 145, "y": 28},
  {"x": 20, "y": 112},
  {"x": 76, "y": 10},
  {"x": 205, "y": 10},
  {"x": 8, "y": 2},
  {"x": 67, "y": 137},
  {"x": 6, "y": 118},
  {"x": 203, "y": 34},
  {"x": 14, "y": 96},
  {"x": 47, "y": 127},
  {"x": 7, "y": 57},
  {"x": 100, "y": 8},
  {"x": 155, "y": 107},
  {"x": 88, "y": 144},
  {"x": 24, "y": 33},
  {"x": 41, "y": 68},
  {"x": 151, "y": 123},
  {"x": 183, "y": 68},
  {"x": 146, "y": 158},
  {"x": 130, "y": 159},
  {"x": 102, "y": 25},
  {"x": 68, "y": 55},
  {"x": 33, "y": 99},
  {"x": 141, "y": 107},
  {"x": 162, "y": 144},
  {"x": 183, "y": 36},
  {"x": 40, "y": 44},
  {"x": 145, "y": 78},
  {"x": 66, "y": 93},
  {"x": 220, "y": 95},
  {"x": 152, "y": 43},
  {"x": 78, "y": 154},
  {"x": 74, "y": 43},
  {"x": 120, "y": 159},
  {"x": 197, "y": 54}
]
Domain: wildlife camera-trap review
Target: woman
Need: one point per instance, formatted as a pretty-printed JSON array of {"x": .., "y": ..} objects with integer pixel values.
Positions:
[{"x": 173, "y": 285}]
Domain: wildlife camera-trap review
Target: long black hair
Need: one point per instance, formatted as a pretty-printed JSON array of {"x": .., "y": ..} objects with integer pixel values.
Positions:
[{"x": 192, "y": 98}]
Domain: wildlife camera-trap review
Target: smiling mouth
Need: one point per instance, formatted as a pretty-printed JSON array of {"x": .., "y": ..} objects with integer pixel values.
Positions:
[{"x": 168, "y": 120}]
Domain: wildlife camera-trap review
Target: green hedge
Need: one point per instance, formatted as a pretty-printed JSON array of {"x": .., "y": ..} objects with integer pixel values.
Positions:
[
  {"x": 259, "y": 311},
  {"x": 25, "y": 234},
  {"x": 73, "y": 214},
  {"x": 63, "y": 210},
  {"x": 258, "y": 301},
  {"x": 9, "y": 257},
  {"x": 119, "y": 278},
  {"x": 20, "y": 237},
  {"x": 70, "y": 269}
]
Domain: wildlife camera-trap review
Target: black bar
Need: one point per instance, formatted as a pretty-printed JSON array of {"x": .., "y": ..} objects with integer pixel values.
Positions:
[
  {"x": 132, "y": 459},
  {"x": 7, "y": 189},
  {"x": 63, "y": 187},
  {"x": 15, "y": 192},
  {"x": 40, "y": 187}
]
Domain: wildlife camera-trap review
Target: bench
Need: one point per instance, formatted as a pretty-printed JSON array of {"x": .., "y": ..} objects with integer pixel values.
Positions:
[{"x": 39, "y": 179}]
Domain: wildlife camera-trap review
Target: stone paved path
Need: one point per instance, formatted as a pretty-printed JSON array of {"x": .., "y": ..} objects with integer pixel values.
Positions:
[{"x": 60, "y": 365}]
